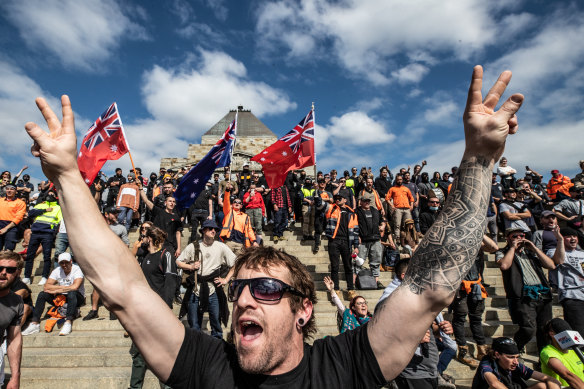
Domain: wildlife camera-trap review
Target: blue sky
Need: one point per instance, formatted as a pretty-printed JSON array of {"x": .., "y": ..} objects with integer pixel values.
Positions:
[{"x": 388, "y": 78}]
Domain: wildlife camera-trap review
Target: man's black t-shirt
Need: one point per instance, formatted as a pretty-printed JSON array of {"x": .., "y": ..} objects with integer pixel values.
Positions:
[
  {"x": 202, "y": 201},
  {"x": 343, "y": 361},
  {"x": 167, "y": 222}
]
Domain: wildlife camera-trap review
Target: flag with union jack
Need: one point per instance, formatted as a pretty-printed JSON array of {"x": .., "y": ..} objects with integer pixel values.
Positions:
[
  {"x": 295, "y": 150},
  {"x": 105, "y": 140},
  {"x": 193, "y": 183}
]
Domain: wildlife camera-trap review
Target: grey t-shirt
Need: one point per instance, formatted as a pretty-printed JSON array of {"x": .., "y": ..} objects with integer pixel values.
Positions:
[
  {"x": 503, "y": 207},
  {"x": 570, "y": 207},
  {"x": 121, "y": 232},
  {"x": 11, "y": 311},
  {"x": 569, "y": 276}
]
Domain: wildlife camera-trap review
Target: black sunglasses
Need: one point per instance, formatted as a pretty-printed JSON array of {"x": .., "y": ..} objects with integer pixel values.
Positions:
[
  {"x": 263, "y": 289},
  {"x": 237, "y": 202},
  {"x": 9, "y": 269}
]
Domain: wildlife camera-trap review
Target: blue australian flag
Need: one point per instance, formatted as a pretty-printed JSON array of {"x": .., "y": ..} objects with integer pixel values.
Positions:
[{"x": 193, "y": 183}]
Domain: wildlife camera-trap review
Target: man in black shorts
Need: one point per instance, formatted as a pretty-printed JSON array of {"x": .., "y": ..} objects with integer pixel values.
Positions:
[
  {"x": 272, "y": 293},
  {"x": 11, "y": 311}
]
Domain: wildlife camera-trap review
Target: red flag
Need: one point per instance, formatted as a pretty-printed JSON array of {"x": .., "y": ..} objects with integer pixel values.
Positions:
[
  {"x": 103, "y": 141},
  {"x": 294, "y": 150}
]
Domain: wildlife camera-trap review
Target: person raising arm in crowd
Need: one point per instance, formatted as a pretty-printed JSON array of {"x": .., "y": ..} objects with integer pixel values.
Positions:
[{"x": 272, "y": 293}]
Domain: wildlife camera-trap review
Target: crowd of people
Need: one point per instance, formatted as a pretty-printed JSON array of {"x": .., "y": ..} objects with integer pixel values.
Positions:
[
  {"x": 379, "y": 220},
  {"x": 406, "y": 223}
]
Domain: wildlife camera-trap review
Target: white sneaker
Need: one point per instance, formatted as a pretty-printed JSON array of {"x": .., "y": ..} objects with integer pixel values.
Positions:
[
  {"x": 66, "y": 330},
  {"x": 43, "y": 281},
  {"x": 33, "y": 328},
  {"x": 26, "y": 281}
]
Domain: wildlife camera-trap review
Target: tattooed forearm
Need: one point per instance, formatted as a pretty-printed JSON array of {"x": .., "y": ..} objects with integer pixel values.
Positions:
[{"x": 452, "y": 243}]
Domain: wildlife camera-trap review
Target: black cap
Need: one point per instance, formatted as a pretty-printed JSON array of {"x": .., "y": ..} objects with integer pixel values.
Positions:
[
  {"x": 337, "y": 197},
  {"x": 567, "y": 231},
  {"x": 112, "y": 209},
  {"x": 509, "y": 190},
  {"x": 505, "y": 345}
]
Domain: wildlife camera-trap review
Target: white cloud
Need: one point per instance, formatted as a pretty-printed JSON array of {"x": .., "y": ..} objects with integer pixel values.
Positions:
[
  {"x": 411, "y": 73},
  {"x": 187, "y": 100},
  {"x": 17, "y": 94},
  {"x": 351, "y": 129},
  {"x": 218, "y": 7},
  {"x": 368, "y": 36},
  {"x": 81, "y": 34}
]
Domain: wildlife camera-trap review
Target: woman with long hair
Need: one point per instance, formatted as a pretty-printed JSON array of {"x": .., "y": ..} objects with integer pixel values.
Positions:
[{"x": 356, "y": 315}]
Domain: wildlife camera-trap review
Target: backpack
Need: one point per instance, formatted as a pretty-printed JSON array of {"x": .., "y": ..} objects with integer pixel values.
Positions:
[{"x": 365, "y": 280}]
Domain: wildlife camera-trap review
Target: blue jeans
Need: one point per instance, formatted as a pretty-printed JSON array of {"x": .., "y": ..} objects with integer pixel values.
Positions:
[
  {"x": 9, "y": 239},
  {"x": 61, "y": 245},
  {"x": 446, "y": 355},
  {"x": 280, "y": 222},
  {"x": 195, "y": 317},
  {"x": 37, "y": 239},
  {"x": 125, "y": 217}
]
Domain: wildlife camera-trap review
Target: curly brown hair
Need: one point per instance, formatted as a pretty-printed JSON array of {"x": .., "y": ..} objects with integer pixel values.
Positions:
[
  {"x": 264, "y": 258},
  {"x": 12, "y": 256}
]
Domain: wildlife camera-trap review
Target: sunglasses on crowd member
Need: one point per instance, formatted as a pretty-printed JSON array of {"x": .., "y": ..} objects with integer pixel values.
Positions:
[
  {"x": 433, "y": 202},
  {"x": 515, "y": 236},
  {"x": 262, "y": 289},
  {"x": 361, "y": 303},
  {"x": 237, "y": 202},
  {"x": 9, "y": 269}
]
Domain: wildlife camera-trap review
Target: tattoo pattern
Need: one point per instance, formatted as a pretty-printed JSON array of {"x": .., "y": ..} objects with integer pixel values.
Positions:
[{"x": 451, "y": 245}]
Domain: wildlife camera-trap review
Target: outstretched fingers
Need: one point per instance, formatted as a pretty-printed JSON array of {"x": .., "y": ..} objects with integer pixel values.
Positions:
[
  {"x": 68, "y": 116},
  {"x": 497, "y": 90},
  {"x": 475, "y": 97},
  {"x": 50, "y": 117},
  {"x": 509, "y": 110}
]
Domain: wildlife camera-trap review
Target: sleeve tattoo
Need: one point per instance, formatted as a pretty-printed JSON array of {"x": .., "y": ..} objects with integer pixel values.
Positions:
[{"x": 452, "y": 243}]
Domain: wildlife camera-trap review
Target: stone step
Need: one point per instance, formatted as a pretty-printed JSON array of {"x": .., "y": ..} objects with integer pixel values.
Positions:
[{"x": 85, "y": 378}]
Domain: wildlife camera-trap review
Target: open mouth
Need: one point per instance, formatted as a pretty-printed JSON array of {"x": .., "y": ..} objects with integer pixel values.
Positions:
[{"x": 250, "y": 330}]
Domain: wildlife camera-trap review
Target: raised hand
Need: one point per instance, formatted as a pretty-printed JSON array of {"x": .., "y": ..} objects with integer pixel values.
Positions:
[
  {"x": 328, "y": 283},
  {"x": 56, "y": 149},
  {"x": 486, "y": 130}
]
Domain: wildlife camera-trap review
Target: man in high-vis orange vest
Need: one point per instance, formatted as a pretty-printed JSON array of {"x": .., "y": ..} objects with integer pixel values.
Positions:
[
  {"x": 342, "y": 229},
  {"x": 558, "y": 184},
  {"x": 237, "y": 231}
]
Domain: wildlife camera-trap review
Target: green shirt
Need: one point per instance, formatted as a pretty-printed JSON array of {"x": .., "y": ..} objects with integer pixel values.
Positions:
[{"x": 569, "y": 359}]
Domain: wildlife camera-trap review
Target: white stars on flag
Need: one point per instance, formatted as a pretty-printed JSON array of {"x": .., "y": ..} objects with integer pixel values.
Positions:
[
  {"x": 114, "y": 148},
  {"x": 284, "y": 153},
  {"x": 196, "y": 181}
]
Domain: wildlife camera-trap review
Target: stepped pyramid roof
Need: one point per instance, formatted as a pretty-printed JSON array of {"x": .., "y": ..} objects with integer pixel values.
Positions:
[{"x": 247, "y": 125}]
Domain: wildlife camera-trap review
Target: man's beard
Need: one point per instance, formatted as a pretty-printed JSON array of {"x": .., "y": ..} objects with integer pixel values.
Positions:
[
  {"x": 260, "y": 365},
  {"x": 7, "y": 285}
]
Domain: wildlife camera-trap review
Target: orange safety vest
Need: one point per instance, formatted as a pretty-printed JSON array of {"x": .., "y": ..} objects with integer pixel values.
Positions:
[
  {"x": 238, "y": 221},
  {"x": 467, "y": 287},
  {"x": 378, "y": 204}
]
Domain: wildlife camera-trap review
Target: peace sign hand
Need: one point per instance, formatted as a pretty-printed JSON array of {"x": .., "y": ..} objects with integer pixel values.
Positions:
[
  {"x": 57, "y": 149},
  {"x": 486, "y": 129}
]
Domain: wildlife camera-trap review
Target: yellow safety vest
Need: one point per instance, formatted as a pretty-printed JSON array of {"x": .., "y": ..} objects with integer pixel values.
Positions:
[{"x": 52, "y": 218}]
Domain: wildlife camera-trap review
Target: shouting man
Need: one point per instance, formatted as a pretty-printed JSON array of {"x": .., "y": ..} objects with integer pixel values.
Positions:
[{"x": 273, "y": 294}]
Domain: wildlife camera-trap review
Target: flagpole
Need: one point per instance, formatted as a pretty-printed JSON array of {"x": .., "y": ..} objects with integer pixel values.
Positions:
[
  {"x": 234, "y": 141},
  {"x": 314, "y": 120},
  {"x": 126, "y": 141}
]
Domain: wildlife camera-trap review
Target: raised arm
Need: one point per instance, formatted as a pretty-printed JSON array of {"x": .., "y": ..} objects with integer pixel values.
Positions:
[
  {"x": 451, "y": 245},
  {"x": 105, "y": 260}
]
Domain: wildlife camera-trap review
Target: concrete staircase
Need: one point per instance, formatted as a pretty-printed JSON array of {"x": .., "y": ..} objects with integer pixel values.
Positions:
[{"x": 95, "y": 355}]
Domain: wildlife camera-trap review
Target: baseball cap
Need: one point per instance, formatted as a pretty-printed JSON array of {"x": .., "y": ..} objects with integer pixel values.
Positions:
[
  {"x": 547, "y": 213},
  {"x": 64, "y": 257},
  {"x": 505, "y": 345},
  {"x": 510, "y": 230},
  {"x": 555, "y": 171}
]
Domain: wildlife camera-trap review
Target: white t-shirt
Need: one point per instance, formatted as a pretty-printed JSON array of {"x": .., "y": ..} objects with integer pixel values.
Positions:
[{"x": 67, "y": 279}]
